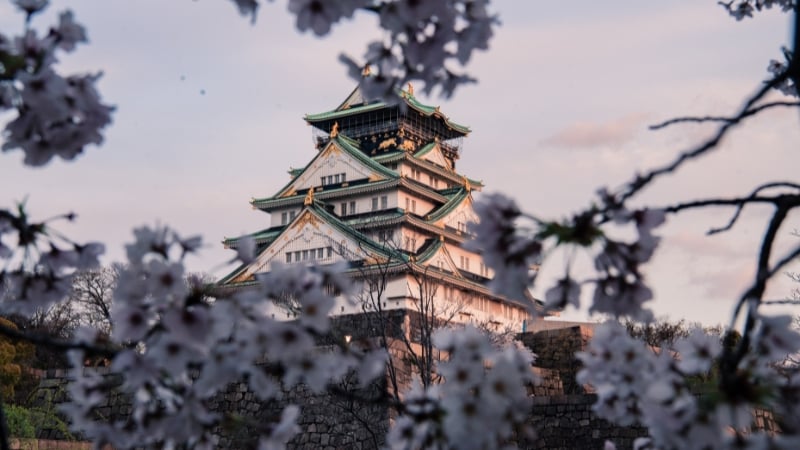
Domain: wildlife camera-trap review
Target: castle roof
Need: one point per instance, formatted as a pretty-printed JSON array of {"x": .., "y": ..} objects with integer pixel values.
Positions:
[{"x": 356, "y": 104}]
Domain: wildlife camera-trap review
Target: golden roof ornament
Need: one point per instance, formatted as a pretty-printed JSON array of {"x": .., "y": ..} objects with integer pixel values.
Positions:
[
  {"x": 467, "y": 186},
  {"x": 410, "y": 88},
  {"x": 365, "y": 72},
  {"x": 407, "y": 145},
  {"x": 309, "y": 197},
  {"x": 335, "y": 130}
]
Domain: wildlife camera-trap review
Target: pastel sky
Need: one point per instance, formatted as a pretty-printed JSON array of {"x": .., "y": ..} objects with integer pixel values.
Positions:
[{"x": 210, "y": 114}]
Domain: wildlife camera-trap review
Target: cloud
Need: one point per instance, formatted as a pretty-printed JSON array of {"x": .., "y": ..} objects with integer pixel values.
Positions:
[{"x": 588, "y": 135}]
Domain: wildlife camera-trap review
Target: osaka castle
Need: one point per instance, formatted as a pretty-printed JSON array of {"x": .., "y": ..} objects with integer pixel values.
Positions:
[{"x": 382, "y": 193}]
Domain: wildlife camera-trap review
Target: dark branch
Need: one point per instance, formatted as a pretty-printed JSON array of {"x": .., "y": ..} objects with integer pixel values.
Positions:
[
  {"x": 763, "y": 273},
  {"x": 744, "y": 114},
  {"x": 641, "y": 181}
]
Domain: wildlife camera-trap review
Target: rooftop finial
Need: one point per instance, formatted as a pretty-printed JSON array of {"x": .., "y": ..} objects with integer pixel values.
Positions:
[
  {"x": 335, "y": 129},
  {"x": 410, "y": 88},
  {"x": 365, "y": 72},
  {"x": 467, "y": 185},
  {"x": 309, "y": 197}
]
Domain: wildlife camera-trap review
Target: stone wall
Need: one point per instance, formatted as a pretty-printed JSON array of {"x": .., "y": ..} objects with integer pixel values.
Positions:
[
  {"x": 566, "y": 422},
  {"x": 328, "y": 421},
  {"x": 560, "y": 411},
  {"x": 555, "y": 350}
]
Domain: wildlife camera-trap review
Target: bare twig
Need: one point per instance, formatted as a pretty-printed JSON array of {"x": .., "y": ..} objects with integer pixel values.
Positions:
[
  {"x": 638, "y": 183},
  {"x": 704, "y": 119},
  {"x": 740, "y": 202}
]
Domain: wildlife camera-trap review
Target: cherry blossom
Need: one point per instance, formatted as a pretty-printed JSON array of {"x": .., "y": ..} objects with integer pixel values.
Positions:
[
  {"x": 174, "y": 351},
  {"x": 697, "y": 352}
]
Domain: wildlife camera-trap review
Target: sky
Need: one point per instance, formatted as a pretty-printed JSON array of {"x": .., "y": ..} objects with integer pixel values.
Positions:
[{"x": 209, "y": 114}]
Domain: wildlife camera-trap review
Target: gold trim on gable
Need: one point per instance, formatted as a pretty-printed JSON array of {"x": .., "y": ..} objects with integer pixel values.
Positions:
[
  {"x": 308, "y": 218},
  {"x": 334, "y": 149}
]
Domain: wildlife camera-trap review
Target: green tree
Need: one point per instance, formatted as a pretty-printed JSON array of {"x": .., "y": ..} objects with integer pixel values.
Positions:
[{"x": 13, "y": 358}]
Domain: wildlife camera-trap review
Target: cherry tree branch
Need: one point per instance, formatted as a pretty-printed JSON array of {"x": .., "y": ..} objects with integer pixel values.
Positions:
[
  {"x": 754, "y": 294},
  {"x": 744, "y": 114},
  {"x": 740, "y": 202},
  {"x": 641, "y": 181}
]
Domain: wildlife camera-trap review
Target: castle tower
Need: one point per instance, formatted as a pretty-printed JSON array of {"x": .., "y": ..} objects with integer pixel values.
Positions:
[{"x": 382, "y": 193}]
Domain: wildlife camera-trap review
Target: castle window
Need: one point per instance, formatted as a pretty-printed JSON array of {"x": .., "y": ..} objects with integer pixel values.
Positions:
[
  {"x": 374, "y": 203},
  {"x": 344, "y": 208},
  {"x": 413, "y": 206},
  {"x": 305, "y": 255},
  {"x": 330, "y": 251},
  {"x": 284, "y": 218},
  {"x": 352, "y": 207},
  {"x": 292, "y": 215},
  {"x": 288, "y": 257},
  {"x": 296, "y": 256},
  {"x": 408, "y": 203},
  {"x": 336, "y": 178},
  {"x": 322, "y": 181},
  {"x": 343, "y": 177},
  {"x": 320, "y": 253},
  {"x": 330, "y": 179},
  {"x": 384, "y": 202}
]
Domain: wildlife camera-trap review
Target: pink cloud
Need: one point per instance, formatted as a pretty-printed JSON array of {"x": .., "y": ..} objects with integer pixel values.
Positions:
[{"x": 613, "y": 133}]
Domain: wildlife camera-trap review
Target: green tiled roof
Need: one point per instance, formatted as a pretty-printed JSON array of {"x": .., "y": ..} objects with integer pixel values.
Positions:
[
  {"x": 419, "y": 188},
  {"x": 260, "y": 237},
  {"x": 351, "y": 148},
  {"x": 335, "y": 222},
  {"x": 336, "y": 114},
  {"x": 430, "y": 250},
  {"x": 374, "y": 217},
  {"x": 453, "y": 176},
  {"x": 456, "y": 199},
  {"x": 425, "y": 149},
  {"x": 409, "y": 99},
  {"x": 351, "y": 188},
  {"x": 316, "y": 208}
]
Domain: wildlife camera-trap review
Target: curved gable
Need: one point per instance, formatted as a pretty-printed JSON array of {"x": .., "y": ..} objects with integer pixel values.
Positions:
[{"x": 338, "y": 162}]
